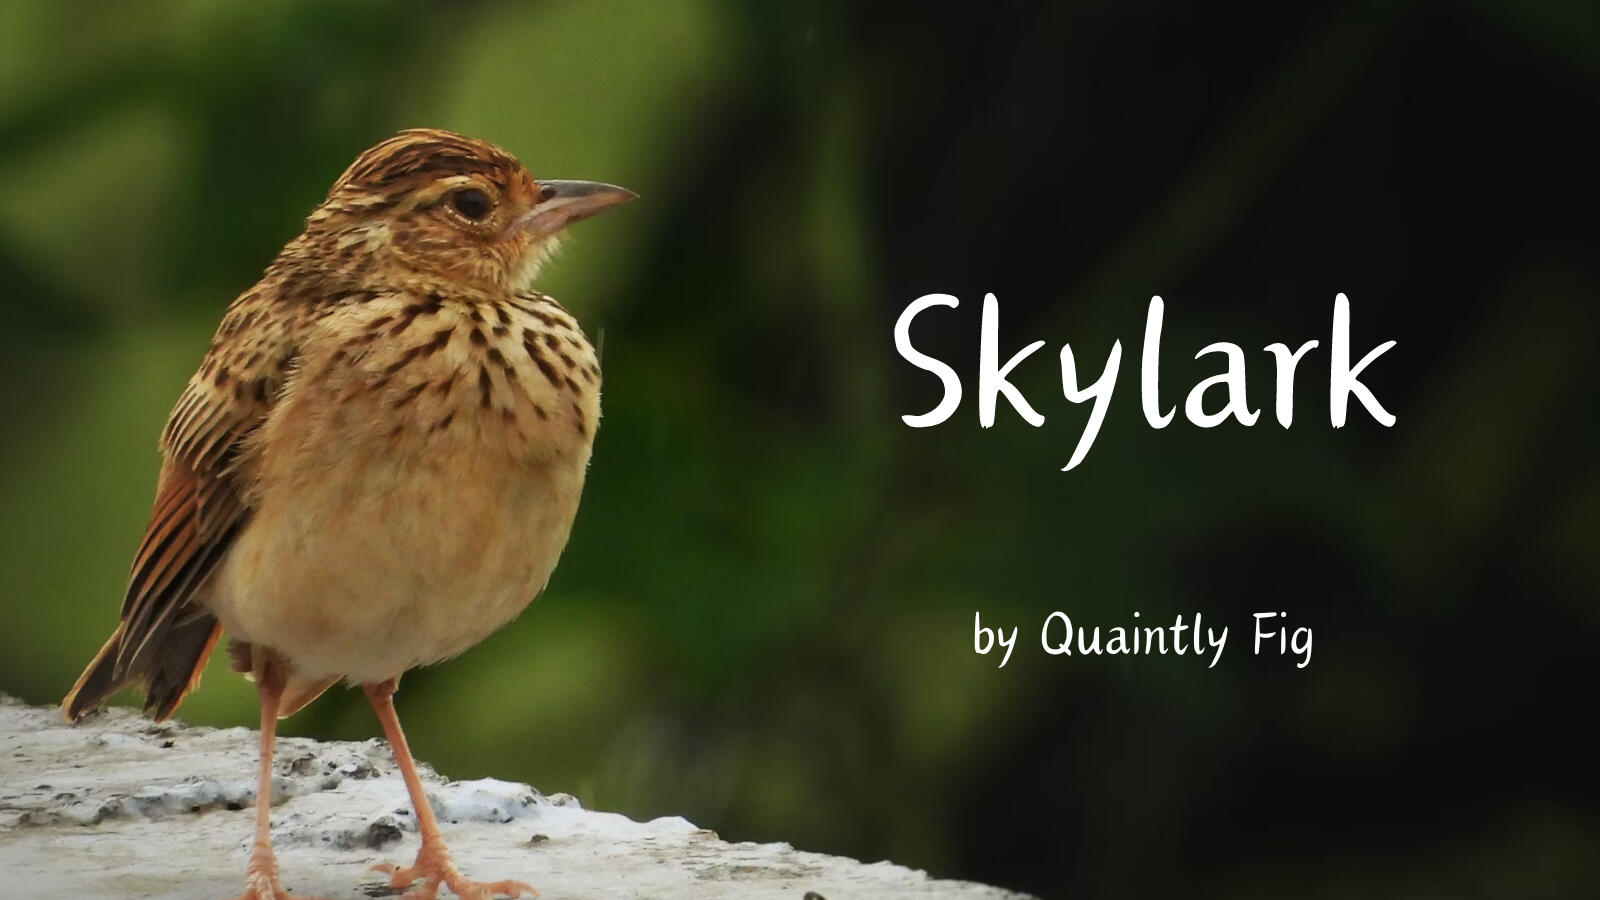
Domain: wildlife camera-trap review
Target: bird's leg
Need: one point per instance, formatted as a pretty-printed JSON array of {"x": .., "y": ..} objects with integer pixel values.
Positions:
[
  {"x": 261, "y": 879},
  {"x": 433, "y": 864}
]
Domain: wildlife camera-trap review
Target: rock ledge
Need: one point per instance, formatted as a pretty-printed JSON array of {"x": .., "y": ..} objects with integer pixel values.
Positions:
[{"x": 119, "y": 806}]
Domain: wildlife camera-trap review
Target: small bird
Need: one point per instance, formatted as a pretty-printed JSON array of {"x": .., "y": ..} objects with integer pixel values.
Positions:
[{"x": 378, "y": 462}]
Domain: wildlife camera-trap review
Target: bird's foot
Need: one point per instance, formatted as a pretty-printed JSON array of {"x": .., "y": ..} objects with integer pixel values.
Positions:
[
  {"x": 261, "y": 881},
  {"x": 434, "y": 867}
]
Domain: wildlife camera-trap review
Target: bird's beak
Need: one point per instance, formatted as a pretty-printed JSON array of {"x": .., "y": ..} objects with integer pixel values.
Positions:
[{"x": 563, "y": 202}]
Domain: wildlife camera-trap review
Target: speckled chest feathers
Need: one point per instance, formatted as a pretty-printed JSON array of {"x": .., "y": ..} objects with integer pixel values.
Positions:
[
  {"x": 414, "y": 481},
  {"x": 404, "y": 374}
]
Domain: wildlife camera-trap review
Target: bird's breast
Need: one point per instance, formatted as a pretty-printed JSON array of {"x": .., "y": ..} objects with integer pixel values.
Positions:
[{"x": 414, "y": 486}]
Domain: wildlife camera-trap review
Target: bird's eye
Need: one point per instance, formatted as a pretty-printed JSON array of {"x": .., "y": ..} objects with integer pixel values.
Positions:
[{"x": 470, "y": 202}]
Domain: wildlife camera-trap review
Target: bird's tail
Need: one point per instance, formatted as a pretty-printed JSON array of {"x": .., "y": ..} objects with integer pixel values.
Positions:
[
  {"x": 97, "y": 682},
  {"x": 169, "y": 667}
]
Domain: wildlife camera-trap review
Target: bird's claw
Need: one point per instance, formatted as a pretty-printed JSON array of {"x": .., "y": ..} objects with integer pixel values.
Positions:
[
  {"x": 434, "y": 869},
  {"x": 261, "y": 883}
]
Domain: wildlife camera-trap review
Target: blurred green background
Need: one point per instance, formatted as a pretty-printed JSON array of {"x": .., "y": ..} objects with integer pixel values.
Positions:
[{"x": 764, "y": 619}]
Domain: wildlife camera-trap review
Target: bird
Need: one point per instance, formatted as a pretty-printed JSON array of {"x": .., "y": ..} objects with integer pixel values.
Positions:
[{"x": 377, "y": 464}]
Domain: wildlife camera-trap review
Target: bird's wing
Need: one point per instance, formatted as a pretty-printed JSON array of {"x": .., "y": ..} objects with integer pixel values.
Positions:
[{"x": 201, "y": 500}]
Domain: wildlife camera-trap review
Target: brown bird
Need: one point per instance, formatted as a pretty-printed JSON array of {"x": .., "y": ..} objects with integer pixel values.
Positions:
[{"x": 378, "y": 462}]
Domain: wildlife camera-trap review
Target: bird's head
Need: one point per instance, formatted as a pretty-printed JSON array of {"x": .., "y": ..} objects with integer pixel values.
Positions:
[{"x": 429, "y": 205}]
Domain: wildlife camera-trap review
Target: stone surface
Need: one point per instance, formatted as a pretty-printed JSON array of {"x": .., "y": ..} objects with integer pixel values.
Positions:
[{"x": 119, "y": 806}]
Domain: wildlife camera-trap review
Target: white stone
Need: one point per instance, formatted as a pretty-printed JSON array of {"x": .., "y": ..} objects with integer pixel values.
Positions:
[{"x": 119, "y": 806}]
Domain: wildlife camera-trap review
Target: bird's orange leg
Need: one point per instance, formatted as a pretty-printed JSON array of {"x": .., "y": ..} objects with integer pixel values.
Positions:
[
  {"x": 261, "y": 879},
  {"x": 433, "y": 864}
]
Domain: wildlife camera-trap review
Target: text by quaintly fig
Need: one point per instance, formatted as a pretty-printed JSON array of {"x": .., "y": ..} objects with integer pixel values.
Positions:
[{"x": 1196, "y": 635}]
